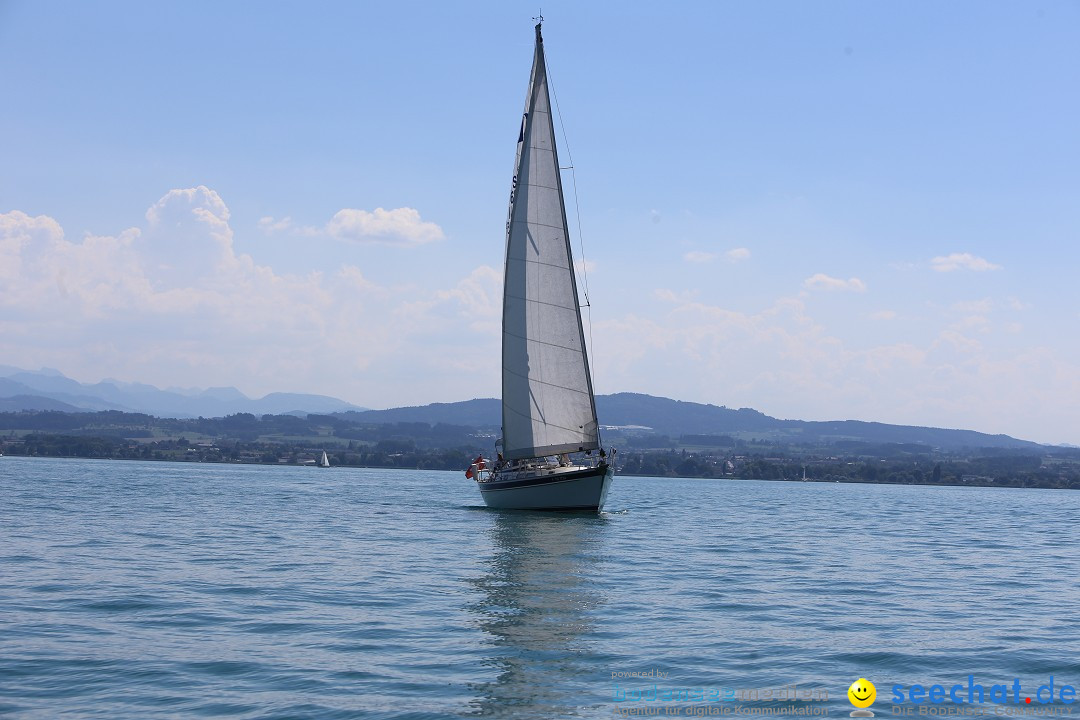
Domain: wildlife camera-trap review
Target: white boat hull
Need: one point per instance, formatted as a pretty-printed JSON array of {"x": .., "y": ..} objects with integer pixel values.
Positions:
[{"x": 573, "y": 488}]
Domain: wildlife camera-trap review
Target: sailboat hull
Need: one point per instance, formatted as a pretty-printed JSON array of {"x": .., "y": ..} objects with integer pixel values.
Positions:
[{"x": 560, "y": 489}]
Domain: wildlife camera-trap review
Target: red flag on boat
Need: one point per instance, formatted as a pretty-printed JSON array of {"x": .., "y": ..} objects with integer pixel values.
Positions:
[{"x": 478, "y": 464}]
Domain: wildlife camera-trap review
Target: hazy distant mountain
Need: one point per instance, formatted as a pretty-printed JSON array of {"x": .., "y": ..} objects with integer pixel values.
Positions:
[
  {"x": 34, "y": 402},
  {"x": 481, "y": 413},
  {"x": 25, "y": 390},
  {"x": 26, "y": 385},
  {"x": 224, "y": 394},
  {"x": 283, "y": 403},
  {"x": 675, "y": 417}
]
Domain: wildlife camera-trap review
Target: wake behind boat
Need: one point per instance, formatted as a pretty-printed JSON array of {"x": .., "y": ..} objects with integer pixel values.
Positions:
[{"x": 549, "y": 410}]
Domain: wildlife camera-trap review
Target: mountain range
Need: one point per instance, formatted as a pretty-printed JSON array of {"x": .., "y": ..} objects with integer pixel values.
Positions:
[
  {"x": 48, "y": 389},
  {"x": 623, "y": 413},
  {"x": 636, "y": 414}
]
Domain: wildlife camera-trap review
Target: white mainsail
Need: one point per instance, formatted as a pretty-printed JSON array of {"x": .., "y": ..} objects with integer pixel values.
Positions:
[{"x": 548, "y": 404}]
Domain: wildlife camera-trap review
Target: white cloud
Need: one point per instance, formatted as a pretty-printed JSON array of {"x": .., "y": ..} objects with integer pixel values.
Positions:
[
  {"x": 974, "y": 322},
  {"x": 201, "y": 201},
  {"x": 960, "y": 342},
  {"x": 187, "y": 241},
  {"x": 670, "y": 296},
  {"x": 732, "y": 256},
  {"x": 401, "y": 226},
  {"x": 581, "y": 267},
  {"x": 981, "y": 307},
  {"x": 821, "y": 281},
  {"x": 884, "y": 315},
  {"x": 270, "y": 225},
  {"x": 22, "y": 240},
  {"x": 962, "y": 261},
  {"x": 479, "y": 294}
]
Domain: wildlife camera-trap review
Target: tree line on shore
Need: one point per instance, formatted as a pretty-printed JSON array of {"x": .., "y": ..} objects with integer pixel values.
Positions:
[
  {"x": 999, "y": 471},
  {"x": 287, "y": 439}
]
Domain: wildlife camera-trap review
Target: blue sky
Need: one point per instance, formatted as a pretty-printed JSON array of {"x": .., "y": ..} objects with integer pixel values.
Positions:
[{"x": 820, "y": 210}]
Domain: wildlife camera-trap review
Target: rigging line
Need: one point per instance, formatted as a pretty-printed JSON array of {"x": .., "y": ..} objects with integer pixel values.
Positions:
[
  {"x": 577, "y": 211},
  {"x": 573, "y": 178}
]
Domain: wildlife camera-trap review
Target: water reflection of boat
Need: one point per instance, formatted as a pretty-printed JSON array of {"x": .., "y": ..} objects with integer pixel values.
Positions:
[{"x": 536, "y": 608}]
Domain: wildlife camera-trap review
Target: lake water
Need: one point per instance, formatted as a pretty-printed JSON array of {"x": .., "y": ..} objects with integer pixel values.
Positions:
[{"x": 143, "y": 590}]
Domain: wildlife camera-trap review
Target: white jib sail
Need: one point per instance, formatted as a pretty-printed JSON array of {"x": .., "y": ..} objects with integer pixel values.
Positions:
[{"x": 548, "y": 404}]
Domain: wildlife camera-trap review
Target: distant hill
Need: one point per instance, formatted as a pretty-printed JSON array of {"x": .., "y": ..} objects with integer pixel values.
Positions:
[
  {"x": 481, "y": 413},
  {"x": 27, "y": 390},
  {"x": 675, "y": 418},
  {"x": 33, "y": 402}
]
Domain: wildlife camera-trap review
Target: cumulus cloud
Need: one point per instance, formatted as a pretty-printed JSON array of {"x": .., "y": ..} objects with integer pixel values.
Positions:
[
  {"x": 271, "y": 225},
  {"x": 401, "y": 226},
  {"x": 187, "y": 238},
  {"x": 958, "y": 341},
  {"x": 981, "y": 307},
  {"x": 962, "y": 261},
  {"x": 821, "y": 281},
  {"x": 22, "y": 239},
  {"x": 732, "y": 256},
  {"x": 670, "y": 296},
  {"x": 584, "y": 266}
]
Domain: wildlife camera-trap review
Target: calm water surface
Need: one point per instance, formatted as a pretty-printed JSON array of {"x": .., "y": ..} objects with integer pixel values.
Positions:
[{"x": 180, "y": 590}]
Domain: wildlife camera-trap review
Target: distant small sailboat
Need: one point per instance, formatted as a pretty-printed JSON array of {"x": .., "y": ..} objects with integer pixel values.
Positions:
[
  {"x": 548, "y": 406},
  {"x": 324, "y": 461}
]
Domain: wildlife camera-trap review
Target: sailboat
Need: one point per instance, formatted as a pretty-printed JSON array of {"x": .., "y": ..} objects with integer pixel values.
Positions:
[
  {"x": 324, "y": 461},
  {"x": 548, "y": 406}
]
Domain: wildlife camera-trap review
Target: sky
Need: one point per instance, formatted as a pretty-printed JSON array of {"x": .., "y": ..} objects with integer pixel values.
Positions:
[{"x": 823, "y": 211}]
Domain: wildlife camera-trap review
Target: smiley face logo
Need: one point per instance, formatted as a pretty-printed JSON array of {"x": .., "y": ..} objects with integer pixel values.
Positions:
[{"x": 862, "y": 693}]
